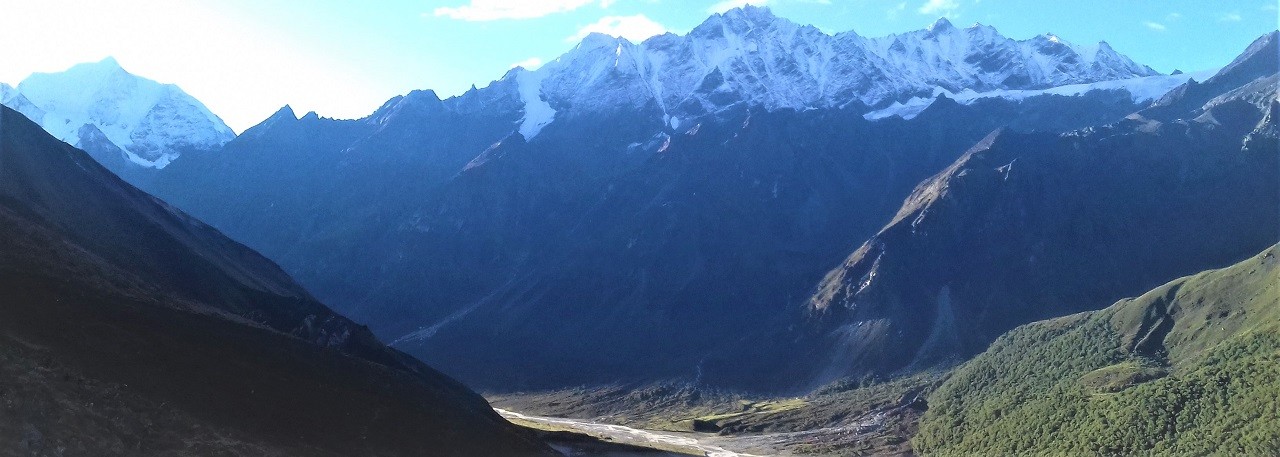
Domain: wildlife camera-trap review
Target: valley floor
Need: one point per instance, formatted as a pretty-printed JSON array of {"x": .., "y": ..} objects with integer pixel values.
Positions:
[
  {"x": 663, "y": 443},
  {"x": 694, "y": 443},
  {"x": 875, "y": 419}
]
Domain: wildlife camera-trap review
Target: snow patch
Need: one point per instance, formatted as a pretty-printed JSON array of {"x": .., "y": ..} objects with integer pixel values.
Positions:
[
  {"x": 537, "y": 112},
  {"x": 1141, "y": 90}
]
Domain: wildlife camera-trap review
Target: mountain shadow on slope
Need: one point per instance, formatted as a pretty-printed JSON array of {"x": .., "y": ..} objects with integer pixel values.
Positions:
[{"x": 129, "y": 328}]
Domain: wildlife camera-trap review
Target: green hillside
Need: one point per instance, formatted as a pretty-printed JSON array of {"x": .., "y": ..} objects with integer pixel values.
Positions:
[{"x": 1190, "y": 368}]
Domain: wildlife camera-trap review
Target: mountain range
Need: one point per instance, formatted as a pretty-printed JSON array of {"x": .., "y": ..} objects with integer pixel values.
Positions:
[
  {"x": 749, "y": 56},
  {"x": 755, "y": 206},
  {"x": 746, "y": 55},
  {"x": 575, "y": 199},
  {"x": 945, "y": 233},
  {"x": 472, "y": 211},
  {"x": 1026, "y": 227}
]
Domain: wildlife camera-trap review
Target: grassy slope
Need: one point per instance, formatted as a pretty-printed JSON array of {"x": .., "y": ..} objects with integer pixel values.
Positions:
[{"x": 1192, "y": 367}]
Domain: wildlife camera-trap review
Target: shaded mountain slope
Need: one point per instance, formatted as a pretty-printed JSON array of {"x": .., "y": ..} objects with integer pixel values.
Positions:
[
  {"x": 581, "y": 223},
  {"x": 324, "y": 177},
  {"x": 633, "y": 256},
  {"x": 129, "y": 328},
  {"x": 1259, "y": 60},
  {"x": 445, "y": 230},
  {"x": 1189, "y": 368},
  {"x": 1030, "y": 226}
]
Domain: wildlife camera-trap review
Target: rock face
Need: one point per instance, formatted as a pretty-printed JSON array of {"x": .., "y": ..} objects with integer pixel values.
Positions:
[
  {"x": 128, "y": 123},
  {"x": 1031, "y": 226},
  {"x": 1250, "y": 68},
  {"x": 137, "y": 312}
]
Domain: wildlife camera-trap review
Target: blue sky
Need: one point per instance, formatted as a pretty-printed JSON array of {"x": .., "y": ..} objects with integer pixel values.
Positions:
[{"x": 343, "y": 58}]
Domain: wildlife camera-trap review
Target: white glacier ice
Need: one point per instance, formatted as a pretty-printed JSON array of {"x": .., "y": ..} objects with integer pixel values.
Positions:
[
  {"x": 1140, "y": 90},
  {"x": 537, "y": 112}
]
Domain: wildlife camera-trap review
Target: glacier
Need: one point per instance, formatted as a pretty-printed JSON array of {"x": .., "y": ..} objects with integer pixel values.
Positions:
[{"x": 1141, "y": 90}]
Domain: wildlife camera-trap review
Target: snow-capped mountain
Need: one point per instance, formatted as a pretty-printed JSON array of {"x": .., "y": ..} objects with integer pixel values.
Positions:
[
  {"x": 13, "y": 99},
  {"x": 749, "y": 55},
  {"x": 124, "y": 120},
  {"x": 685, "y": 247}
]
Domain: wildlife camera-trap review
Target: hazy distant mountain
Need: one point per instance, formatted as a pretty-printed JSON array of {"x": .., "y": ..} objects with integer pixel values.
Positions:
[
  {"x": 126, "y": 122},
  {"x": 129, "y": 328},
  {"x": 1031, "y": 226},
  {"x": 609, "y": 217},
  {"x": 12, "y": 98}
]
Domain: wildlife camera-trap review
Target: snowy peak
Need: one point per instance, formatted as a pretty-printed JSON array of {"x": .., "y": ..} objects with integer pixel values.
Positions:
[
  {"x": 149, "y": 122},
  {"x": 750, "y": 56},
  {"x": 107, "y": 66},
  {"x": 9, "y": 96},
  {"x": 980, "y": 58},
  {"x": 596, "y": 40},
  {"x": 742, "y": 18},
  {"x": 752, "y": 13},
  {"x": 107, "y": 70},
  {"x": 941, "y": 26}
]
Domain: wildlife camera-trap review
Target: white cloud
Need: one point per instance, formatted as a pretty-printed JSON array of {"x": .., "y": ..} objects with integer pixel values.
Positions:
[
  {"x": 633, "y": 28},
  {"x": 892, "y": 13},
  {"x": 1155, "y": 26},
  {"x": 491, "y": 10},
  {"x": 531, "y": 63},
  {"x": 939, "y": 7},
  {"x": 727, "y": 5},
  {"x": 1230, "y": 17}
]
